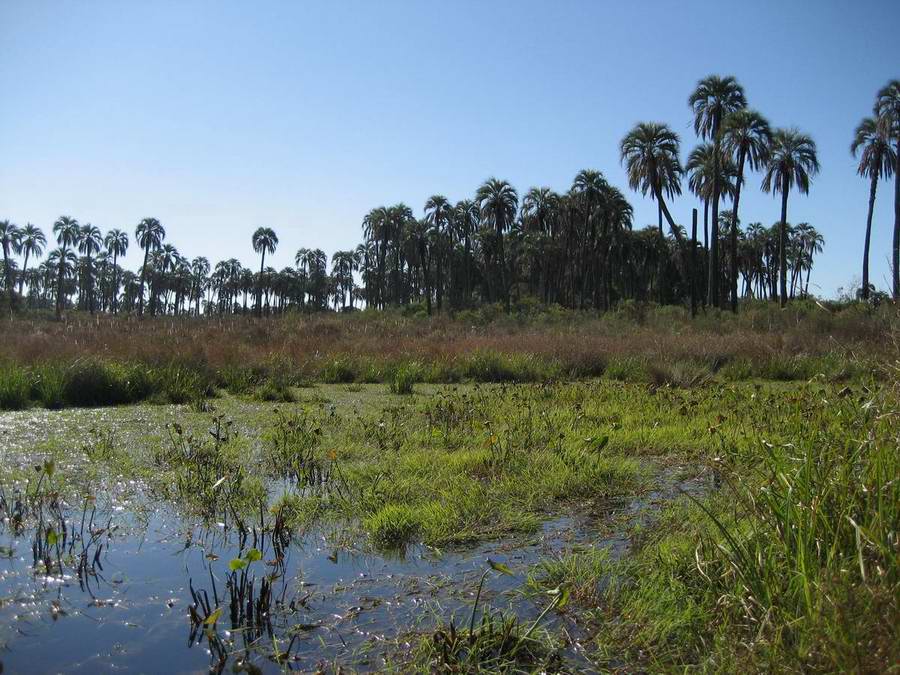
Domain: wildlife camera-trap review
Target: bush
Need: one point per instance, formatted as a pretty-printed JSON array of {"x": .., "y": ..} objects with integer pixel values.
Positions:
[
  {"x": 180, "y": 385},
  {"x": 393, "y": 526},
  {"x": 403, "y": 380},
  {"x": 48, "y": 386},
  {"x": 628, "y": 369},
  {"x": 14, "y": 388},
  {"x": 275, "y": 390},
  {"x": 93, "y": 383},
  {"x": 339, "y": 371}
]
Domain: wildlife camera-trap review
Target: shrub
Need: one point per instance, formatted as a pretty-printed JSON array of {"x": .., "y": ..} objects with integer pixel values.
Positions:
[
  {"x": 339, "y": 371},
  {"x": 393, "y": 526},
  {"x": 403, "y": 380},
  {"x": 14, "y": 388},
  {"x": 48, "y": 386},
  {"x": 628, "y": 369},
  {"x": 274, "y": 390},
  {"x": 180, "y": 385},
  {"x": 94, "y": 383}
]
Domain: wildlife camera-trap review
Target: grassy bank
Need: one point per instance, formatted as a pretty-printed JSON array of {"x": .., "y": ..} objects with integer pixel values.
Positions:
[{"x": 111, "y": 361}]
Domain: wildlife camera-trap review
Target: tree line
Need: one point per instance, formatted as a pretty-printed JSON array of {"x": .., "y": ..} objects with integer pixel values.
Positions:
[{"x": 579, "y": 248}]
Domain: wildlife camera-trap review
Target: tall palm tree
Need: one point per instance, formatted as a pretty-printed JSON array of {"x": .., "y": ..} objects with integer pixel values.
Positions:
[
  {"x": 149, "y": 234},
  {"x": 540, "y": 208},
  {"x": 199, "y": 272},
  {"x": 588, "y": 188},
  {"x": 31, "y": 242},
  {"x": 9, "y": 239},
  {"x": 67, "y": 232},
  {"x": 264, "y": 241},
  {"x": 876, "y": 160},
  {"x": 65, "y": 262},
  {"x": 438, "y": 214},
  {"x": 792, "y": 162},
  {"x": 465, "y": 221},
  {"x": 116, "y": 243},
  {"x": 650, "y": 155},
  {"x": 887, "y": 109},
  {"x": 702, "y": 169},
  {"x": 89, "y": 244},
  {"x": 746, "y": 136},
  {"x": 498, "y": 202},
  {"x": 714, "y": 98}
]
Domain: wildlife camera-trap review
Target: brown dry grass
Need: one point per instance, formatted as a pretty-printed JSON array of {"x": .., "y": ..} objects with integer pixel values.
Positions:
[{"x": 575, "y": 341}]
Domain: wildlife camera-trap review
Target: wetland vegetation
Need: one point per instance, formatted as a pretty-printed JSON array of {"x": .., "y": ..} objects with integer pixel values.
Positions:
[{"x": 531, "y": 492}]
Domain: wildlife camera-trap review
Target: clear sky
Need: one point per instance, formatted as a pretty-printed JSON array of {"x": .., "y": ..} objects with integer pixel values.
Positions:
[{"x": 219, "y": 117}]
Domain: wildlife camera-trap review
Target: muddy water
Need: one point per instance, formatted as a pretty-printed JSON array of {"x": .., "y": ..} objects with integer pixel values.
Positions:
[{"x": 115, "y": 593}]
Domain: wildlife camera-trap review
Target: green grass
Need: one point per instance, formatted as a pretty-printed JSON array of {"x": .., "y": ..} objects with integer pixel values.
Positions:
[
  {"x": 792, "y": 566},
  {"x": 787, "y": 562}
]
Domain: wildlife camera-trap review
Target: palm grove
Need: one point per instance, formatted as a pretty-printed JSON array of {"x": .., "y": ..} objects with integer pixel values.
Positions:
[{"x": 578, "y": 249}]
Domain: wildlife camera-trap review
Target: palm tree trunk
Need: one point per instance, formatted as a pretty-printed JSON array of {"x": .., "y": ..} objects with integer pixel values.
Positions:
[
  {"x": 24, "y": 270},
  {"x": 262, "y": 263},
  {"x": 9, "y": 278},
  {"x": 440, "y": 280},
  {"x": 143, "y": 281},
  {"x": 865, "y": 271},
  {"x": 734, "y": 229},
  {"x": 115, "y": 285},
  {"x": 693, "y": 262},
  {"x": 712, "y": 290},
  {"x": 90, "y": 284},
  {"x": 896, "y": 247},
  {"x": 503, "y": 285},
  {"x": 706, "y": 225},
  {"x": 782, "y": 242},
  {"x": 59, "y": 283}
]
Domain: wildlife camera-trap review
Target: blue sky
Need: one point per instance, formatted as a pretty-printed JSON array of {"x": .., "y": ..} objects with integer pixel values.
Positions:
[{"x": 218, "y": 117}]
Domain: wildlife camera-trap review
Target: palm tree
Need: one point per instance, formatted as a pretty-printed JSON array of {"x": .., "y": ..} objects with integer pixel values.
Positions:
[
  {"x": 67, "y": 233},
  {"x": 714, "y": 98},
  {"x": 89, "y": 243},
  {"x": 199, "y": 274},
  {"x": 746, "y": 136},
  {"x": 31, "y": 242},
  {"x": 588, "y": 189},
  {"x": 792, "y": 162},
  {"x": 438, "y": 214},
  {"x": 149, "y": 234},
  {"x": 465, "y": 221},
  {"x": 264, "y": 240},
  {"x": 64, "y": 262},
  {"x": 887, "y": 109},
  {"x": 650, "y": 155},
  {"x": 540, "y": 207},
  {"x": 876, "y": 161},
  {"x": 116, "y": 244},
  {"x": 807, "y": 242},
  {"x": 9, "y": 239},
  {"x": 498, "y": 203}
]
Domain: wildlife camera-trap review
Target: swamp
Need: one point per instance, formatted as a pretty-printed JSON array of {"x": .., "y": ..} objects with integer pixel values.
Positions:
[{"x": 635, "y": 515}]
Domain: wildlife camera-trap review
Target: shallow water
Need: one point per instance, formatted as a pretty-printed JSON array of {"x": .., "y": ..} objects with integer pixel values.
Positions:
[{"x": 118, "y": 591}]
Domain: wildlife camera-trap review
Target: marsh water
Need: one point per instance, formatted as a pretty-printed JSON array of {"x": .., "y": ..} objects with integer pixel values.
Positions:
[{"x": 127, "y": 583}]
